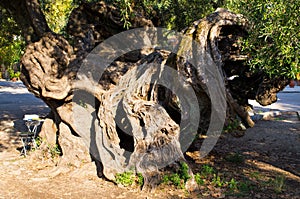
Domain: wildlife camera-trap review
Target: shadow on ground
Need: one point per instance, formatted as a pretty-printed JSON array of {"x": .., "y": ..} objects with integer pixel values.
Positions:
[{"x": 15, "y": 102}]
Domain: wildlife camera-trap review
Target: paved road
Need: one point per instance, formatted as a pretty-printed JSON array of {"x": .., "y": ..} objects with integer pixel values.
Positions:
[
  {"x": 288, "y": 100},
  {"x": 16, "y": 101}
]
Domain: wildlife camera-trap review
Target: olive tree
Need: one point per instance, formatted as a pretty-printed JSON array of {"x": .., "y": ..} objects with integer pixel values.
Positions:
[{"x": 139, "y": 99}]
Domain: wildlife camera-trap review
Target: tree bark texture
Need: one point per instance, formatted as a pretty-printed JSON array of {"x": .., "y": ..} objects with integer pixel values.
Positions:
[{"x": 153, "y": 114}]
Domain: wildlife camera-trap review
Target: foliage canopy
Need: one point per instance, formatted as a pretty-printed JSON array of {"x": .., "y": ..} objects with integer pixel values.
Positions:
[
  {"x": 11, "y": 43},
  {"x": 275, "y": 34},
  {"x": 273, "y": 42},
  {"x": 57, "y": 13}
]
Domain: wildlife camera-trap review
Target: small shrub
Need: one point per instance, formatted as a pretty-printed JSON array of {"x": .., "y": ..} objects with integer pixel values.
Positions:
[
  {"x": 232, "y": 184},
  {"x": 217, "y": 181},
  {"x": 178, "y": 179},
  {"x": 207, "y": 170},
  {"x": 198, "y": 179},
  {"x": 165, "y": 179},
  {"x": 129, "y": 178},
  {"x": 184, "y": 171},
  {"x": 125, "y": 179},
  {"x": 278, "y": 183}
]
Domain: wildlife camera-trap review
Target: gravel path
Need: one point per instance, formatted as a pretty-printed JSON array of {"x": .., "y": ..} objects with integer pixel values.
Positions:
[{"x": 272, "y": 148}]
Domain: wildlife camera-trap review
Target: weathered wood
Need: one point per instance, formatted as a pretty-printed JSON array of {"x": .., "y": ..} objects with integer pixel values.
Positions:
[{"x": 45, "y": 65}]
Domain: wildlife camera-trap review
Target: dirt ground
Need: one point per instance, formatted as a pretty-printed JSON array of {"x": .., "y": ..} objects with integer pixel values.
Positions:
[{"x": 265, "y": 160}]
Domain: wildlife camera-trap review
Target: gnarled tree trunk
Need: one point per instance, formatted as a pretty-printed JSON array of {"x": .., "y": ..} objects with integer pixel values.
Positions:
[{"x": 137, "y": 115}]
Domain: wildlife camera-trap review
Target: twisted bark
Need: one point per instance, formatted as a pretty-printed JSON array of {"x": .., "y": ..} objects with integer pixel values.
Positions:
[{"x": 124, "y": 117}]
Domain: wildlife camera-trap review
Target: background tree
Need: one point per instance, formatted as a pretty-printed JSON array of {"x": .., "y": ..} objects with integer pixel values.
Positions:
[
  {"x": 273, "y": 42},
  {"x": 11, "y": 42},
  {"x": 274, "y": 32},
  {"x": 271, "y": 45},
  {"x": 57, "y": 13}
]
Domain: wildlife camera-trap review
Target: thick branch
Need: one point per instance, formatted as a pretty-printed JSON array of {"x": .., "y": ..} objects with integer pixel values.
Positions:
[
  {"x": 45, "y": 65},
  {"x": 92, "y": 23}
]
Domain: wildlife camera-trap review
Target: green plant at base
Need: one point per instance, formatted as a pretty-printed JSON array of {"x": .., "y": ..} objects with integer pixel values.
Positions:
[
  {"x": 165, "y": 179},
  {"x": 184, "y": 171},
  {"x": 54, "y": 150},
  {"x": 217, "y": 181},
  {"x": 198, "y": 179},
  {"x": 277, "y": 184},
  {"x": 207, "y": 170},
  {"x": 125, "y": 179},
  {"x": 140, "y": 179},
  {"x": 129, "y": 178},
  {"x": 232, "y": 184},
  {"x": 178, "y": 179}
]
